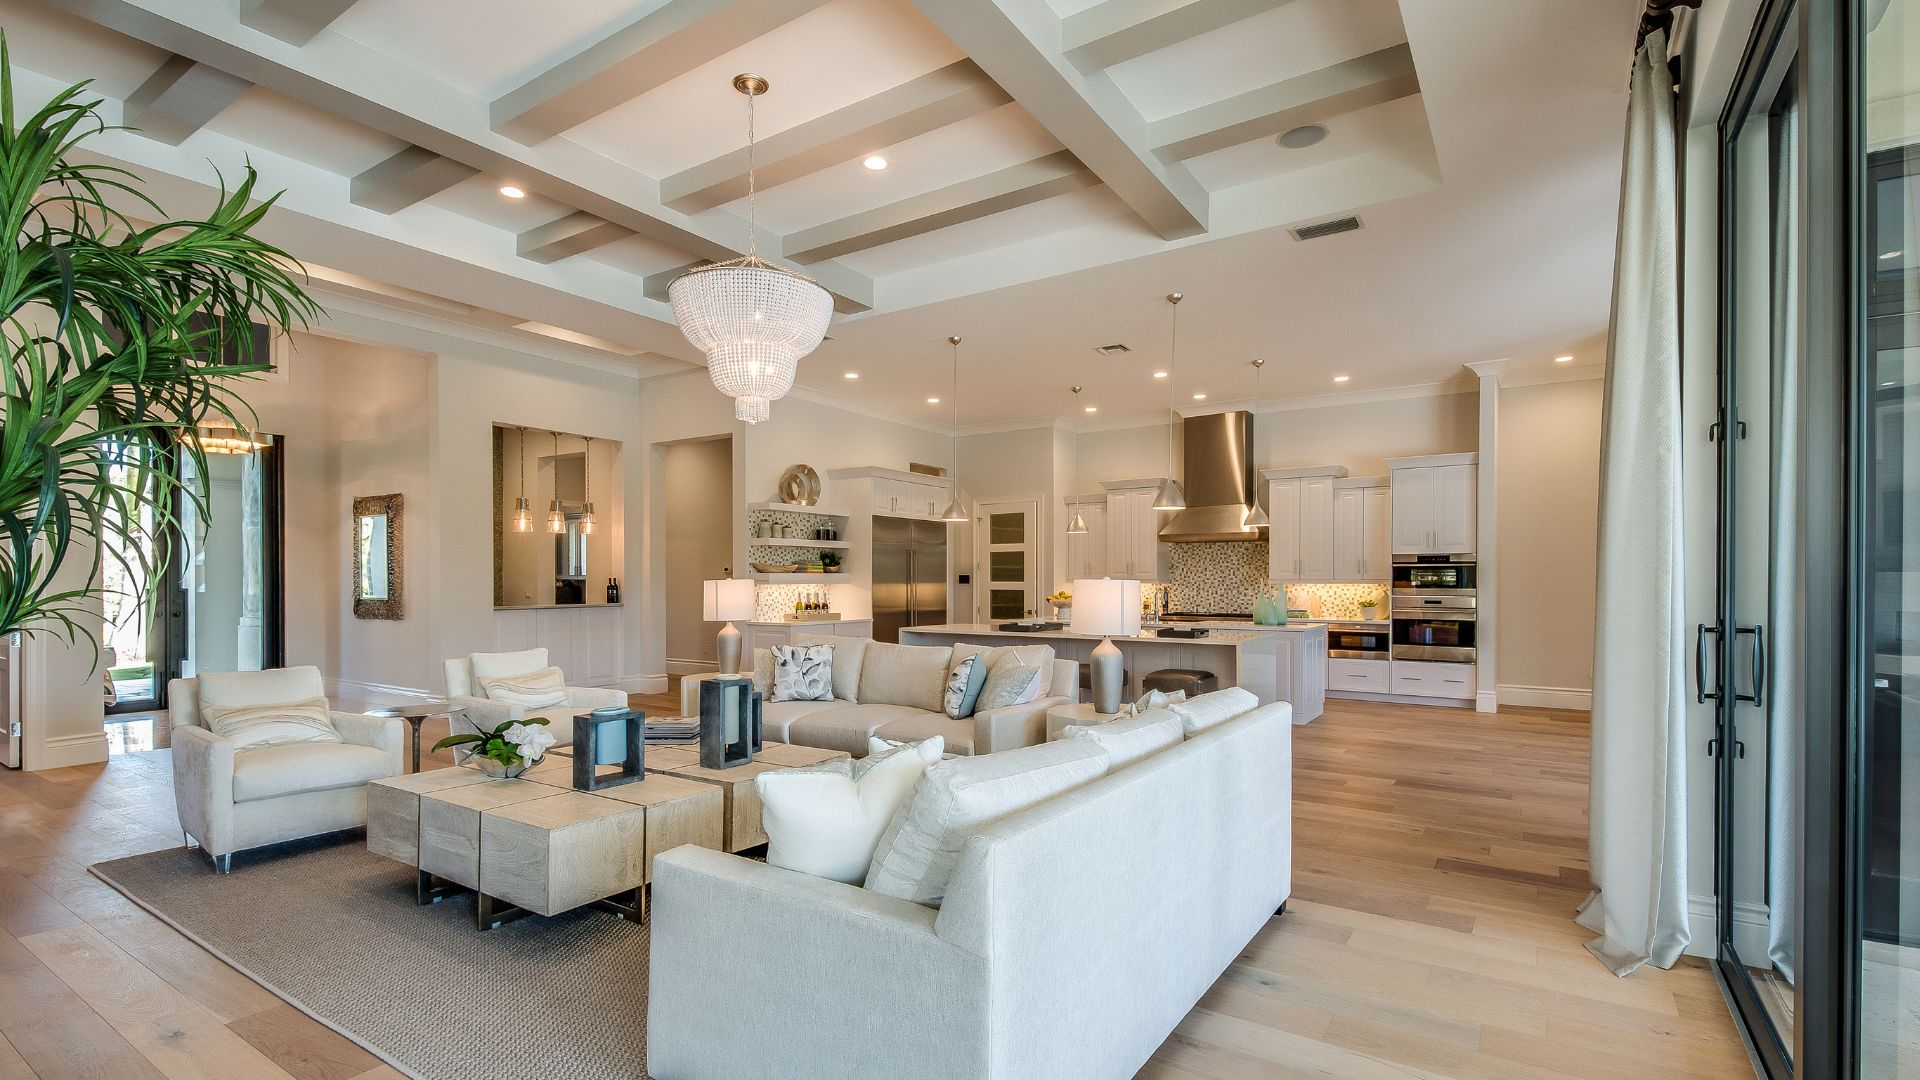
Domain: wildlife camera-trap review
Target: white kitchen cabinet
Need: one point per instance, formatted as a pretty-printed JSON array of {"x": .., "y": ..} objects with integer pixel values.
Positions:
[
  {"x": 1300, "y": 541},
  {"x": 1436, "y": 503},
  {"x": 1360, "y": 676},
  {"x": 1087, "y": 551},
  {"x": 1133, "y": 530},
  {"x": 1362, "y": 516},
  {"x": 1421, "y": 678},
  {"x": 893, "y": 497}
]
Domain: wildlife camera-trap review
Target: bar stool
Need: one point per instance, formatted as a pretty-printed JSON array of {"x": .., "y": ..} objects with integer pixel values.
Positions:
[{"x": 1169, "y": 680}]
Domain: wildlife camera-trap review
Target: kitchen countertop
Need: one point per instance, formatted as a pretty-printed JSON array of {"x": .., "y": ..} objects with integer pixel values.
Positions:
[
  {"x": 1297, "y": 626},
  {"x": 1225, "y": 634}
]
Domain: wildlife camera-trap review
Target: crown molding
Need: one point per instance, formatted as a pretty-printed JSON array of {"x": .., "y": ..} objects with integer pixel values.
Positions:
[{"x": 1556, "y": 374}]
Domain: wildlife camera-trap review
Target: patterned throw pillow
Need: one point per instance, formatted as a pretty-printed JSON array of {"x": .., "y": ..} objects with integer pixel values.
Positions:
[
  {"x": 541, "y": 689},
  {"x": 1009, "y": 682},
  {"x": 252, "y": 726},
  {"x": 964, "y": 684},
  {"x": 1154, "y": 699},
  {"x": 802, "y": 673}
]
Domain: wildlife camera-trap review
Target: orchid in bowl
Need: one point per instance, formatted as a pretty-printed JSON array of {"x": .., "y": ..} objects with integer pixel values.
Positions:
[{"x": 511, "y": 748}]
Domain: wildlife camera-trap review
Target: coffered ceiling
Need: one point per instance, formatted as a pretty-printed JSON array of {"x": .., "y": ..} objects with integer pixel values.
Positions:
[{"x": 1051, "y": 168}]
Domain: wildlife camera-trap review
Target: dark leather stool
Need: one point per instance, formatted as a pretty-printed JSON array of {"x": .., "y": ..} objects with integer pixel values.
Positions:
[{"x": 1168, "y": 680}]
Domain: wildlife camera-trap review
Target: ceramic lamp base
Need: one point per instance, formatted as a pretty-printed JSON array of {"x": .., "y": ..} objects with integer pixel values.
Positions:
[
  {"x": 1108, "y": 671},
  {"x": 727, "y": 650}
]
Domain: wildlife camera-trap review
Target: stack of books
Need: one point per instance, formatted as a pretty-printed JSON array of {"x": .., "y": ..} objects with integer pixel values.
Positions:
[{"x": 673, "y": 729}]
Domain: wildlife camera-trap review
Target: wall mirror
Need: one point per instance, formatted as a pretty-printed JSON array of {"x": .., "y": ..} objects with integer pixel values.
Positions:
[
  {"x": 556, "y": 498},
  {"x": 378, "y": 581}
]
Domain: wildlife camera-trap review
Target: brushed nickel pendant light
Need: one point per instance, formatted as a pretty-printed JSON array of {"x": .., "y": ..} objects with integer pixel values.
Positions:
[
  {"x": 1077, "y": 524},
  {"x": 556, "y": 517},
  {"x": 586, "y": 488},
  {"x": 1257, "y": 514},
  {"x": 955, "y": 511},
  {"x": 1170, "y": 495},
  {"x": 522, "y": 513}
]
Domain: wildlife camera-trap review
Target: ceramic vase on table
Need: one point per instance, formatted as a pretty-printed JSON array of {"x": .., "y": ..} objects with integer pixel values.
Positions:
[
  {"x": 1267, "y": 610},
  {"x": 498, "y": 771}
]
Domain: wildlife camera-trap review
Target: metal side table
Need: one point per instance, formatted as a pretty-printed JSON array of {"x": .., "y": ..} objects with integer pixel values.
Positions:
[{"x": 415, "y": 714}]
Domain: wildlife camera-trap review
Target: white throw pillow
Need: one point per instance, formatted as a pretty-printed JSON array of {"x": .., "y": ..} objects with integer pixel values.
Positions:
[
  {"x": 1009, "y": 682},
  {"x": 827, "y": 821},
  {"x": 957, "y": 797},
  {"x": 541, "y": 689},
  {"x": 1129, "y": 740},
  {"x": 1207, "y": 710},
  {"x": 1033, "y": 656},
  {"x": 802, "y": 673},
  {"x": 1154, "y": 699},
  {"x": 249, "y": 727},
  {"x": 964, "y": 684}
]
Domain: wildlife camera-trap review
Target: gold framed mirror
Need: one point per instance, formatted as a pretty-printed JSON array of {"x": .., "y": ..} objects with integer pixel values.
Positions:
[{"x": 378, "y": 581}]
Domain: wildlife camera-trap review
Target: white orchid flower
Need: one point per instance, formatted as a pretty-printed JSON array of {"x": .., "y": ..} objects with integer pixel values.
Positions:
[{"x": 531, "y": 740}]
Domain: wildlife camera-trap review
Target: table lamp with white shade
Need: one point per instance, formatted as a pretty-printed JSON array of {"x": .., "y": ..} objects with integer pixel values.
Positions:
[
  {"x": 1106, "y": 607},
  {"x": 728, "y": 600}
]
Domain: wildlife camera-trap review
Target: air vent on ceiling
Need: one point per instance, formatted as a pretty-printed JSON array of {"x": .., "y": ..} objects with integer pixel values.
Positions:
[
  {"x": 1111, "y": 349},
  {"x": 1325, "y": 228}
]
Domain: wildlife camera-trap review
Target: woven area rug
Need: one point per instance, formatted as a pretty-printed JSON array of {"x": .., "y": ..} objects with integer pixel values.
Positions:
[{"x": 335, "y": 931}]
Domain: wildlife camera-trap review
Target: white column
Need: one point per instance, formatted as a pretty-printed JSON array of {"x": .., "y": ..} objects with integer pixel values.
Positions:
[{"x": 1486, "y": 696}]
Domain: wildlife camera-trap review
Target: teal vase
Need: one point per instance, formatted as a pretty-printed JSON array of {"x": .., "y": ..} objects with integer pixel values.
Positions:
[{"x": 1267, "y": 611}]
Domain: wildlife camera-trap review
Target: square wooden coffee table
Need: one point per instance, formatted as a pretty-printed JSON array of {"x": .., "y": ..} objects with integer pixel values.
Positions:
[
  {"x": 534, "y": 845},
  {"x": 743, "y": 827}
]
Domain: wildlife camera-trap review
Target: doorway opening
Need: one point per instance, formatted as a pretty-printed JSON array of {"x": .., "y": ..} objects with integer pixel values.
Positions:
[{"x": 699, "y": 514}]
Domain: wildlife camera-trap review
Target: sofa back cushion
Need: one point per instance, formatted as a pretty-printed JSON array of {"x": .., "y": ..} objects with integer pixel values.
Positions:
[
  {"x": 493, "y": 665},
  {"x": 274, "y": 686},
  {"x": 848, "y": 652},
  {"x": 541, "y": 689},
  {"x": 1129, "y": 740},
  {"x": 1208, "y": 710},
  {"x": 957, "y": 797},
  {"x": 910, "y": 675}
]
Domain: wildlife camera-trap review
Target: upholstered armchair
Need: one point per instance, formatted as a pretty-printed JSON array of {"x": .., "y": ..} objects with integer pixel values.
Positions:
[
  {"x": 233, "y": 799},
  {"x": 467, "y": 677}
]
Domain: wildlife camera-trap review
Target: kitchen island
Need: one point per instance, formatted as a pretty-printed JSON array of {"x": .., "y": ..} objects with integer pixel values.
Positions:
[{"x": 1276, "y": 663}]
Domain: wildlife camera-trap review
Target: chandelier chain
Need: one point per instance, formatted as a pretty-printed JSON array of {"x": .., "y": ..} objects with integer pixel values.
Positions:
[{"x": 753, "y": 218}]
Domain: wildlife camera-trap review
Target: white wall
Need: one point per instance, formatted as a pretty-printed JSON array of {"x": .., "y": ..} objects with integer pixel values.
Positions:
[{"x": 699, "y": 502}]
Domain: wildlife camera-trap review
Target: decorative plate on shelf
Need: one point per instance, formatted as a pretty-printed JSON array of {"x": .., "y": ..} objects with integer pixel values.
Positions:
[{"x": 800, "y": 486}]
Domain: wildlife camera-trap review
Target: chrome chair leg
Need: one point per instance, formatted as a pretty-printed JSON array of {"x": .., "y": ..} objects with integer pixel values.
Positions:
[{"x": 223, "y": 863}]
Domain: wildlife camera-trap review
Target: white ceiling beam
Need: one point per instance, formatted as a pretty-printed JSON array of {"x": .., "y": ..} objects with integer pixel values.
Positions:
[
  {"x": 180, "y": 98},
  {"x": 568, "y": 236},
  {"x": 406, "y": 178},
  {"x": 969, "y": 200},
  {"x": 654, "y": 285},
  {"x": 1086, "y": 112},
  {"x": 292, "y": 21},
  {"x": 891, "y": 116},
  {"x": 370, "y": 88},
  {"x": 1312, "y": 98},
  {"x": 1119, "y": 30},
  {"x": 665, "y": 43}
]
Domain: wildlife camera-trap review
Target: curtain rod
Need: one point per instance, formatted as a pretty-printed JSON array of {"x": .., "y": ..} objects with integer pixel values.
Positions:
[{"x": 1659, "y": 16}]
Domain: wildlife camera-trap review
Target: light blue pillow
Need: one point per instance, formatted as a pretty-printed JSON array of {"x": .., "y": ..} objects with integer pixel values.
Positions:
[{"x": 963, "y": 686}]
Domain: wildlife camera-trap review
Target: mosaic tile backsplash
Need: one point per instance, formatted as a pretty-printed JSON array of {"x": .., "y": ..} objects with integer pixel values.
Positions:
[{"x": 1226, "y": 578}]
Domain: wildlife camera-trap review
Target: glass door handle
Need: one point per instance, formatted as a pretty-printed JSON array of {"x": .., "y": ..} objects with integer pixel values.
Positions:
[
  {"x": 1700, "y": 693},
  {"x": 1757, "y": 663}
]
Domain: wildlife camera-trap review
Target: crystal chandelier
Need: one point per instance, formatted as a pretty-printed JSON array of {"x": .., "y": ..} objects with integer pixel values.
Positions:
[{"x": 753, "y": 319}]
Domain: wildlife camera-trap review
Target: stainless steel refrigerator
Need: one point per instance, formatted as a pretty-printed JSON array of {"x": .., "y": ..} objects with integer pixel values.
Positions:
[{"x": 909, "y": 575}]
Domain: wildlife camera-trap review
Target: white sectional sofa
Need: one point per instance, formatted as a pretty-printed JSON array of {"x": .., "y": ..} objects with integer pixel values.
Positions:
[
  {"x": 1074, "y": 936},
  {"x": 894, "y": 691}
]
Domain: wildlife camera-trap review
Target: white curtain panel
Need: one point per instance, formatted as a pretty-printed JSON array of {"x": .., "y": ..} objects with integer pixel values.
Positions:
[{"x": 1637, "y": 815}]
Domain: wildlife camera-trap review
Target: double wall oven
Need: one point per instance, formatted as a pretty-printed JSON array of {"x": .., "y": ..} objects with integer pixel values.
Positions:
[{"x": 1435, "y": 611}]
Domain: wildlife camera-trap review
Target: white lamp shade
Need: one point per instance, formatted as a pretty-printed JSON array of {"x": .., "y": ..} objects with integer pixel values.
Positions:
[
  {"x": 727, "y": 600},
  {"x": 1106, "y": 607}
]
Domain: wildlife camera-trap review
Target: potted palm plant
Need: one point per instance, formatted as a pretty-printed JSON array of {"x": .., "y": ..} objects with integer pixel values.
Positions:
[{"x": 125, "y": 331}]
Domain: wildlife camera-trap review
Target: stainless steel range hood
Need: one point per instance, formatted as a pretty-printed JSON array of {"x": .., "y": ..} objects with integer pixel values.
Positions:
[{"x": 1218, "y": 481}]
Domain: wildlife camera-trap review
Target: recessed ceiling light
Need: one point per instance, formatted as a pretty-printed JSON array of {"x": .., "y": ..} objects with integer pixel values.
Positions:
[
  {"x": 1890, "y": 254},
  {"x": 1563, "y": 359},
  {"x": 1159, "y": 374},
  {"x": 1341, "y": 378},
  {"x": 1301, "y": 137},
  {"x": 875, "y": 162},
  {"x": 851, "y": 375},
  {"x": 933, "y": 401},
  {"x": 1199, "y": 397},
  {"x": 1093, "y": 408},
  {"x": 512, "y": 192}
]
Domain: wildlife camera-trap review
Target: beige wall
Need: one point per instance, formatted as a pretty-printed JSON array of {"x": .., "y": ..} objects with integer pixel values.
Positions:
[
  {"x": 1549, "y": 493},
  {"x": 699, "y": 503}
]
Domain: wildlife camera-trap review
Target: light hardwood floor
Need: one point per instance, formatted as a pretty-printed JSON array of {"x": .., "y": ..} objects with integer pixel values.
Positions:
[{"x": 1439, "y": 855}]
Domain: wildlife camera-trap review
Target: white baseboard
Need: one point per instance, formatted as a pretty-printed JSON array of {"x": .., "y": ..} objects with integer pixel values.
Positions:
[
  {"x": 1547, "y": 697},
  {"x": 644, "y": 684},
  {"x": 1486, "y": 702},
  {"x": 691, "y": 667},
  {"x": 60, "y": 751},
  {"x": 1750, "y": 929}
]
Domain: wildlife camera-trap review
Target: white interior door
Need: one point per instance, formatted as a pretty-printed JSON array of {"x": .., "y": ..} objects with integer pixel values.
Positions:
[{"x": 1006, "y": 570}]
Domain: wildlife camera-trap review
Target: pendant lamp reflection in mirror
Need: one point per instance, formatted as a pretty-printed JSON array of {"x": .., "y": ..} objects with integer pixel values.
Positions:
[
  {"x": 556, "y": 517},
  {"x": 1257, "y": 514},
  {"x": 956, "y": 510},
  {"x": 1170, "y": 496},
  {"x": 522, "y": 513},
  {"x": 586, "y": 488},
  {"x": 753, "y": 319}
]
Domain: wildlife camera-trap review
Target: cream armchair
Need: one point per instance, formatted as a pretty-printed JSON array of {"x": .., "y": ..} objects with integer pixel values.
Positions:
[
  {"x": 481, "y": 713},
  {"x": 232, "y": 801}
]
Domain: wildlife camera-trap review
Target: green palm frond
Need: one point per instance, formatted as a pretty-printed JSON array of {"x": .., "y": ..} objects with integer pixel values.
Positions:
[{"x": 113, "y": 333}]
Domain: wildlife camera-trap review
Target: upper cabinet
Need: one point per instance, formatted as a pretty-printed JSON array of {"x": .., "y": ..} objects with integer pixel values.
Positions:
[
  {"x": 1300, "y": 540},
  {"x": 1133, "y": 530},
  {"x": 1087, "y": 551},
  {"x": 1436, "y": 503},
  {"x": 1362, "y": 518},
  {"x": 896, "y": 496}
]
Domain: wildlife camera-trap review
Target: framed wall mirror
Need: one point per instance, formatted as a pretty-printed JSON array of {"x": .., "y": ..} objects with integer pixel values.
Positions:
[{"x": 378, "y": 580}]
